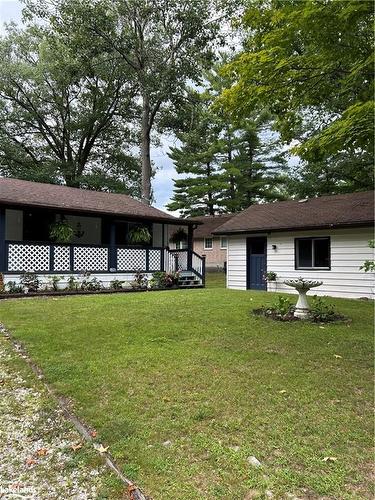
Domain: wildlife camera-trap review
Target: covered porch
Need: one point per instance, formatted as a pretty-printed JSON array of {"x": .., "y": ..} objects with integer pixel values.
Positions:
[{"x": 100, "y": 244}]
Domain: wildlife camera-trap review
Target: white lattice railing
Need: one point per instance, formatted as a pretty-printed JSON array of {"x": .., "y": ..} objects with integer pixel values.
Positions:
[
  {"x": 45, "y": 257},
  {"x": 184, "y": 260}
]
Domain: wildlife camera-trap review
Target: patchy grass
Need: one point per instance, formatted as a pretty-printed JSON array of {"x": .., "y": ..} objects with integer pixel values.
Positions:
[{"x": 185, "y": 385}]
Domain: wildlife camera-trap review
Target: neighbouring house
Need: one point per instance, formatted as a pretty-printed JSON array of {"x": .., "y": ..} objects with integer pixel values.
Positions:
[
  {"x": 105, "y": 227},
  {"x": 324, "y": 238},
  {"x": 206, "y": 243}
]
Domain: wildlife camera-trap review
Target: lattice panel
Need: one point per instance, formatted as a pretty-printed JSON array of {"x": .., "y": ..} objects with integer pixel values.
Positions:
[
  {"x": 28, "y": 257},
  {"x": 154, "y": 262},
  {"x": 131, "y": 259},
  {"x": 61, "y": 258},
  {"x": 182, "y": 261},
  {"x": 90, "y": 259}
]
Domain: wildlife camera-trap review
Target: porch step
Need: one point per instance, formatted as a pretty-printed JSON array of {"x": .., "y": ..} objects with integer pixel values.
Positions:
[{"x": 189, "y": 281}]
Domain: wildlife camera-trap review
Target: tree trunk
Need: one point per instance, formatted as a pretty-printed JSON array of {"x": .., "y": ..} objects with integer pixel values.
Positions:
[{"x": 145, "y": 151}]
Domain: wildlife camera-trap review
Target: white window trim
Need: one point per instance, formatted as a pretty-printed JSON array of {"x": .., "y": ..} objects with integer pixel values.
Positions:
[{"x": 204, "y": 244}]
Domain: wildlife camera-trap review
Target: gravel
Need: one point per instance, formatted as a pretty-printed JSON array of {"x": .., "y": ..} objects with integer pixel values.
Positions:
[{"x": 41, "y": 455}]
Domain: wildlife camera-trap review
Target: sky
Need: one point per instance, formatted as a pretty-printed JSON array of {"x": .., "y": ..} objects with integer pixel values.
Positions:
[{"x": 162, "y": 184}]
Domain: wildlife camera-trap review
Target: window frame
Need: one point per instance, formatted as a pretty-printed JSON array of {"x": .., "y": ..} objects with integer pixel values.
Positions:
[
  {"x": 221, "y": 242},
  {"x": 312, "y": 268},
  {"x": 204, "y": 244}
]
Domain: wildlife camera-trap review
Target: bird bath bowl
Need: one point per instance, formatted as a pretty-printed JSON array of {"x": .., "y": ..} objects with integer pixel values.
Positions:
[{"x": 302, "y": 286}]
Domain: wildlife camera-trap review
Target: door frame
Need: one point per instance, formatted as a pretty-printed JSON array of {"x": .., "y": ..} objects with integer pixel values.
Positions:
[{"x": 248, "y": 254}]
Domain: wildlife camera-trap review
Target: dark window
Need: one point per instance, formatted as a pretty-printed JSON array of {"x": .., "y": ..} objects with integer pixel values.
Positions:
[
  {"x": 257, "y": 247},
  {"x": 312, "y": 253}
]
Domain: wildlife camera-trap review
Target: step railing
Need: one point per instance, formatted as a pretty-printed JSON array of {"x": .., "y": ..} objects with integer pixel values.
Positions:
[{"x": 186, "y": 260}]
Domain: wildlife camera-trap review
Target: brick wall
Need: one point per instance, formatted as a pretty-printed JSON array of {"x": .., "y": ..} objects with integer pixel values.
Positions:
[{"x": 215, "y": 256}]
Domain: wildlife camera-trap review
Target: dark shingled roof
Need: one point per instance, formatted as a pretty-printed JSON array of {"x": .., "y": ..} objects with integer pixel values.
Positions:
[
  {"x": 15, "y": 192},
  {"x": 354, "y": 209},
  {"x": 208, "y": 224}
]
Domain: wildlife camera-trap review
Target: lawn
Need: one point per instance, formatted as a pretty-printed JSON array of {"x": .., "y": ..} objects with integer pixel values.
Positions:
[{"x": 185, "y": 385}]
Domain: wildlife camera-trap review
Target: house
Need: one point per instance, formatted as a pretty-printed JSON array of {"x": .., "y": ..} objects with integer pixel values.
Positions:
[
  {"x": 325, "y": 239},
  {"x": 205, "y": 243},
  {"x": 102, "y": 242}
]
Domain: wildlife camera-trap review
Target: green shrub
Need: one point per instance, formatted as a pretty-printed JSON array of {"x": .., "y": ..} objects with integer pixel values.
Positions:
[
  {"x": 321, "y": 311},
  {"x": 282, "y": 306},
  {"x": 73, "y": 283},
  {"x": 116, "y": 284},
  {"x": 30, "y": 282},
  {"x": 140, "y": 281},
  {"x": 13, "y": 287},
  {"x": 54, "y": 281}
]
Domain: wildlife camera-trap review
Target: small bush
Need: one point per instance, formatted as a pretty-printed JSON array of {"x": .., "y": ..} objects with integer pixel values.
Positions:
[
  {"x": 54, "y": 281},
  {"x": 116, "y": 284},
  {"x": 161, "y": 279},
  {"x": 13, "y": 287},
  {"x": 140, "y": 281},
  {"x": 73, "y": 283},
  {"x": 282, "y": 306},
  {"x": 90, "y": 284},
  {"x": 30, "y": 282},
  {"x": 322, "y": 312}
]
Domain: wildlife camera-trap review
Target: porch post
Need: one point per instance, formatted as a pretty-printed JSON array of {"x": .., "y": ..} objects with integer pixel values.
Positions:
[
  {"x": 190, "y": 247},
  {"x": 2, "y": 240},
  {"x": 112, "y": 247}
]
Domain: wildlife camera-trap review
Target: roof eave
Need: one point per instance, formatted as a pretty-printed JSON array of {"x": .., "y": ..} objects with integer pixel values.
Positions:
[
  {"x": 98, "y": 213},
  {"x": 304, "y": 228}
]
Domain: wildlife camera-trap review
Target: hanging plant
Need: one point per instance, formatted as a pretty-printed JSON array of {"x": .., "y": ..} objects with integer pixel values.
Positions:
[
  {"x": 139, "y": 235},
  {"x": 61, "y": 231},
  {"x": 178, "y": 236}
]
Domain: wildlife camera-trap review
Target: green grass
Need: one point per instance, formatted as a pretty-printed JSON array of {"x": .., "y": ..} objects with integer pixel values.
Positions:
[{"x": 195, "y": 368}]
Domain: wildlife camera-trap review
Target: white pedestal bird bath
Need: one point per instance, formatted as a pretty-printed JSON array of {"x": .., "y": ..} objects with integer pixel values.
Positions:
[{"x": 302, "y": 286}]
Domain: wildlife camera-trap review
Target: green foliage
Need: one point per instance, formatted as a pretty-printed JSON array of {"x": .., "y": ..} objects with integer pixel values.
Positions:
[
  {"x": 178, "y": 236},
  {"x": 13, "y": 287},
  {"x": 322, "y": 312},
  {"x": 116, "y": 284},
  {"x": 139, "y": 235},
  {"x": 282, "y": 306},
  {"x": 161, "y": 279},
  {"x": 369, "y": 265},
  {"x": 90, "y": 284},
  {"x": 270, "y": 276},
  {"x": 156, "y": 46},
  {"x": 54, "y": 282},
  {"x": 73, "y": 283},
  {"x": 30, "y": 281},
  {"x": 311, "y": 64},
  {"x": 140, "y": 281},
  {"x": 226, "y": 165},
  {"x": 61, "y": 231},
  {"x": 65, "y": 109}
]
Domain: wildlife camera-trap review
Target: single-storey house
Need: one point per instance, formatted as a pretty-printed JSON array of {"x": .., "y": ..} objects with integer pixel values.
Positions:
[
  {"x": 102, "y": 243},
  {"x": 325, "y": 239},
  {"x": 206, "y": 243}
]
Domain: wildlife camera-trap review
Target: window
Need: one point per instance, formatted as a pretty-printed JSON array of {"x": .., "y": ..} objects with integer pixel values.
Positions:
[
  {"x": 223, "y": 243},
  {"x": 312, "y": 253},
  {"x": 181, "y": 245},
  {"x": 208, "y": 243}
]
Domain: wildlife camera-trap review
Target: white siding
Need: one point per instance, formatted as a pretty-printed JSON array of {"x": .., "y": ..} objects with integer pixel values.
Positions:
[{"x": 349, "y": 249}]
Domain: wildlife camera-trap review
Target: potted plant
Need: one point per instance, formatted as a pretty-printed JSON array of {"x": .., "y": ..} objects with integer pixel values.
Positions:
[
  {"x": 178, "y": 236},
  {"x": 270, "y": 277},
  {"x": 61, "y": 231},
  {"x": 139, "y": 235}
]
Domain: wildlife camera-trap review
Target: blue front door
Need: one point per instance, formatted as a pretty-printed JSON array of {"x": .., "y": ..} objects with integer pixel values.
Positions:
[{"x": 256, "y": 263}]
